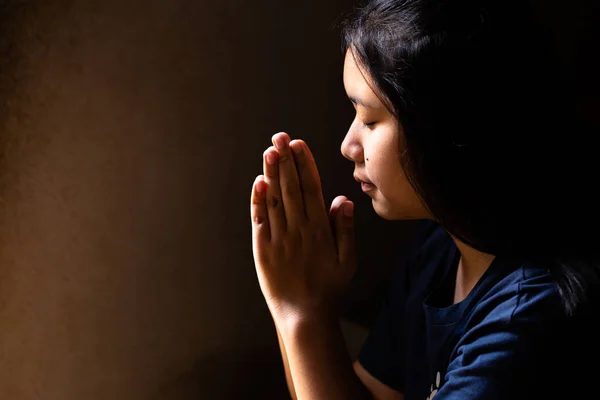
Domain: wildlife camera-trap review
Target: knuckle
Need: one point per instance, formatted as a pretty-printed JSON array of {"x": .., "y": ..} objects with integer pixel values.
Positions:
[
  {"x": 284, "y": 157},
  {"x": 311, "y": 189},
  {"x": 313, "y": 229},
  {"x": 258, "y": 216},
  {"x": 273, "y": 202},
  {"x": 303, "y": 237},
  {"x": 290, "y": 190},
  {"x": 271, "y": 172},
  {"x": 318, "y": 235},
  {"x": 256, "y": 201},
  {"x": 258, "y": 219},
  {"x": 295, "y": 237}
]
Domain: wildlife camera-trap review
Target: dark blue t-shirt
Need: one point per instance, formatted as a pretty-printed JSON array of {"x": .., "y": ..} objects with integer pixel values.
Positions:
[{"x": 508, "y": 339}]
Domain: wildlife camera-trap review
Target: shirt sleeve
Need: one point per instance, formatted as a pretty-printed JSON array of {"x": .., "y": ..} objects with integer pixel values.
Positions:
[
  {"x": 514, "y": 352},
  {"x": 383, "y": 354}
]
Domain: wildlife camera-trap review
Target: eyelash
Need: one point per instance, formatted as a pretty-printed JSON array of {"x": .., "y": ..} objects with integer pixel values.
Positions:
[{"x": 370, "y": 125}]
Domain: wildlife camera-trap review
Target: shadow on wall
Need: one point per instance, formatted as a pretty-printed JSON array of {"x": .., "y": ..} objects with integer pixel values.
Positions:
[{"x": 245, "y": 374}]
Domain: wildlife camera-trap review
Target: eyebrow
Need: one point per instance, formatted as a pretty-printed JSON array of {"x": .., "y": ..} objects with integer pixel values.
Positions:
[{"x": 359, "y": 102}]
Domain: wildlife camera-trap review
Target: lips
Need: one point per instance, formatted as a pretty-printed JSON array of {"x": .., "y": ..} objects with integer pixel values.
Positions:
[
  {"x": 362, "y": 180},
  {"x": 367, "y": 187},
  {"x": 365, "y": 184}
]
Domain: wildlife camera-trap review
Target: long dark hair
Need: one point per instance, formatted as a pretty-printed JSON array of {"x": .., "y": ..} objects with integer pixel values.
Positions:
[{"x": 491, "y": 138}]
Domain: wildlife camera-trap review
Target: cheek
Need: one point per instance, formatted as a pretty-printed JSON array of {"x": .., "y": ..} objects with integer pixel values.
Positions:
[
  {"x": 382, "y": 163},
  {"x": 389, "y": 175}
]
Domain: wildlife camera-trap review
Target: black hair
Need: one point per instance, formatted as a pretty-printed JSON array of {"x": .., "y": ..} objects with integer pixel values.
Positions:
[{"x": 491, "y": 137}]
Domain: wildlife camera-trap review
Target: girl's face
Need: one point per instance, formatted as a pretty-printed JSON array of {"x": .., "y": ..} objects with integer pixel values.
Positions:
[{"x": 372, "y": 144}]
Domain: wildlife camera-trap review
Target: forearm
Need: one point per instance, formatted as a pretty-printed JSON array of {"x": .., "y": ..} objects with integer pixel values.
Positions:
[
  {"x": 319, "y": 362},
  {"x": 286, "y": 366}
]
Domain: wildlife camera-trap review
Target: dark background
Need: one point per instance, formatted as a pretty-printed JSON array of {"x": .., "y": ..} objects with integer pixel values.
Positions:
[{"x": 131, "y": 135}]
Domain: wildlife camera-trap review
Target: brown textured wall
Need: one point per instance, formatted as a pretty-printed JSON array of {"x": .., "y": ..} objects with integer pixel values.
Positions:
[{"x": 129, "y": 146}]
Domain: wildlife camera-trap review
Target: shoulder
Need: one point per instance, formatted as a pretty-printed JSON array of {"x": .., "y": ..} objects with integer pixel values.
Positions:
[
  {"x": 525, "y": 295},
  {"x": 522, "y": 305},
  {"x": 518, "y": 342}
]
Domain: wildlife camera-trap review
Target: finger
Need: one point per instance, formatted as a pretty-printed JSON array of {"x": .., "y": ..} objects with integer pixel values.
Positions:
[
  {"x": 345, "y": 237},
  {"x": 258, "y": 212},
  {"x": 310, "y": 182},
  {"x": 333, "y": 212},
  {"x": 273, "y": 199},
  {"x": 288, "y": 181},
  {"x": 335, "y": 206}
]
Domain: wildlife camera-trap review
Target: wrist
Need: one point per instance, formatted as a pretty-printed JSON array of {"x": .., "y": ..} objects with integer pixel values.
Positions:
[{"x": 292, "y": 322}]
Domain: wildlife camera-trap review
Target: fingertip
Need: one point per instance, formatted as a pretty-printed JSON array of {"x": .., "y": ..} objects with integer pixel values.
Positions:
[
  {"x": 297, "y": 142},
  {"x": 284, "y": 134},
  {"x": 260, "y": 185},
  {"x": 297, "y": 146},
  {"x": 281, "y": 140},
  {"x": 258, "y": 209},
  {"x": 270, "y": 156},
  {"x": 338, "y": 201},
  {"x": 270, "y": 148}
]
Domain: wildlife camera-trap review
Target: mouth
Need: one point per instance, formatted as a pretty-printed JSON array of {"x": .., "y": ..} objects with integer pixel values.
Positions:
[{"x": 365, "y": 185}]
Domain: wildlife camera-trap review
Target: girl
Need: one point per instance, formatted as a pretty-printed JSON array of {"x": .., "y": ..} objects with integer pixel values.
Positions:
[{"x": 462, "y": 119}]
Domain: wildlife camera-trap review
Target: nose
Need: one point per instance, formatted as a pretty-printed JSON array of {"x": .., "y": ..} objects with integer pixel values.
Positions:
[{"x": 351, "y": 146}]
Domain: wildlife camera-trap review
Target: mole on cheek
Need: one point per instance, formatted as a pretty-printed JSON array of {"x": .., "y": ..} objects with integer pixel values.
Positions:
[{"x": 367, "y": 159}]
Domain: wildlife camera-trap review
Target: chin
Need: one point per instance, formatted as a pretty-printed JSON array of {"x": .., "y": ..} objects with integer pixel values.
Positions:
[
  {"x": 391, "y": 212},
  {"x": 385, "y": 211}
]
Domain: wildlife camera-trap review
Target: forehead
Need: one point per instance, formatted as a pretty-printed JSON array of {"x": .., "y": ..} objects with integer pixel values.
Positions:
[
  {"x": 353, "y": 76},
  {"x": 356, "y": 83}
]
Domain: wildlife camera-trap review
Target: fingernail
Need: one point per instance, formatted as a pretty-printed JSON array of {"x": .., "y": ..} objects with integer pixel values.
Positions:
[
  {"x": 348, "y": 209},
  {"x": 298, "y": 148},
  {"x": 271, "y": 158},
  {"x": 280, "y": 142},
  {"x": 260, "y": 186}
]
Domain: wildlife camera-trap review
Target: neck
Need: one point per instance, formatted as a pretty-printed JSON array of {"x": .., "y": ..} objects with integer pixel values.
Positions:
[{"x": 471, "y": 267}]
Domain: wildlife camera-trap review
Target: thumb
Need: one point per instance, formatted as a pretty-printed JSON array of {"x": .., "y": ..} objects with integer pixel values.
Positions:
[{"x": 344, "y": 226}]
